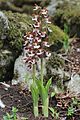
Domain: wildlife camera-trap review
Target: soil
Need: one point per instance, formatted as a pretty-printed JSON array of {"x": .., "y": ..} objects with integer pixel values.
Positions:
[
  {"x": 74, "y": 56},
  {"x": 23, "y": 102}
]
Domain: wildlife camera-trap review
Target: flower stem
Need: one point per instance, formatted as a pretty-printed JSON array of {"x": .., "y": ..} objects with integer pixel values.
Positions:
[
  {"x": 42, "y": 71},
  {"x": 34, "y": 72},
  {"x": 36, "y": 110},
  {"x": 45, "y": 107}
]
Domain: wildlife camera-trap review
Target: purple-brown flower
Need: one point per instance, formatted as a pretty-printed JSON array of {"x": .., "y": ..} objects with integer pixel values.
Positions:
[{"x": 36, "y": 41}]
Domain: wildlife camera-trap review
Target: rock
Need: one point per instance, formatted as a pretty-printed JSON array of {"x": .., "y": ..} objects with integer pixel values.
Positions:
[
  {"x": 6, "y": 65},
  {"x": 2, "y": 105},
  {"x": 55, "y": 69},
  {"x": 13, "y": 26},
  {"x": 20, "y": 70},
  {"x": 22, "y": 6},
  {"x": 56, "y": 38},
  {"x": 68, "y": 13},
  {"x": 22, "y": 74},
  {"x": 3, "y": 25},
  {"x": 74, "y": 84}
]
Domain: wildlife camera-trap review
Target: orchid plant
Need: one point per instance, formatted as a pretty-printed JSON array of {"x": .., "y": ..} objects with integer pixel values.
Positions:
[{"x": 36, "y": 47}]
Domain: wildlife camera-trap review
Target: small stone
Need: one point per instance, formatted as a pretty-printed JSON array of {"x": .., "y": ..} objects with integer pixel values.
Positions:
[
  {"x": 2, "y": 104},
  {"x": 78, "y": 49}
]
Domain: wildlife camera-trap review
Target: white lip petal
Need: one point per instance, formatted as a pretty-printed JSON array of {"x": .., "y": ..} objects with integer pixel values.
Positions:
[
  {"x": 25, "y": 43},
  {"x": 36, "y": 30},
  {"x": 44, "y": 13},
  {"x": 35, "y": 18},
  {"x": 2, "y": 105},
  {"x": 29, "y": 38},
  {"x": 36, "y": 46},
  {"x": 39, "y": 40},
  {"x": 25, "y": 36},
  {"x": 30, "y": 55},
  {"x": 40, "y": 53},
  {"x": 26, "y": 51},
  {"x": 43, "y": 36},
  {"x": 49, "y": 30},
  {"x": 36, "y": 7},
  {"x": 46, "y": 44},
  {"x": 36, "y": 26},
  {"x": 48, "y": 54},
  {"x": 33, "y": 62},
  {"x": 47, "y": 21},
  {"x": 24, "y": 60}
]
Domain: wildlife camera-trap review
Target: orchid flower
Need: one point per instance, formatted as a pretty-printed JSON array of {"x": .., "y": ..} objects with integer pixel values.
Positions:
[
  {"x": 35, "y": 18},
  {"x": 44, "y": 11},
  {"x": 36, "y": 47},
  {"x": 47, "y": 20},
  {"x": 37, "y": 25},
  {"x": 36, "y": 7}
]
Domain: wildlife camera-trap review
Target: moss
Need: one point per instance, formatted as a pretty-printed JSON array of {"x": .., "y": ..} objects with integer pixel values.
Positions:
[
  {"x": 56, "y": 34},
  {"x": 1, "y": 44},
  {"x": 6, "y": 65},
  {"x": 31, "y": 2},
  {"x": 21, "y": 6},
  {"x": 18, "y": 25},
  {"x": 69, "y": 14},
  {"x": 52, "y": 66},
  {"x": 55, "y": 61}
]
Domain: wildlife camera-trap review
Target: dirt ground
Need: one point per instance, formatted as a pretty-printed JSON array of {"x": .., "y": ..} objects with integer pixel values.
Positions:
[{"x": 23, "y": 102}]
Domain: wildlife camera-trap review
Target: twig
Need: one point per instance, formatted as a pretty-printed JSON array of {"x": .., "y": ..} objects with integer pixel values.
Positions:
[{"x": 64, "y": 58}]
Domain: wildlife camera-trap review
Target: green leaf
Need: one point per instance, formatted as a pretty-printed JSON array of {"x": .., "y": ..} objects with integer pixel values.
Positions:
[
  {"x": 66, "y": 28},
  {"x": 48, "y": 84},
  {"x": 42, "y": 90},
  {"x": 53, "y": 94},
  {"x": 52, "y": 110},
  {"x": 5, "y": 118},
  {"x": 44, "y": 94},
  {"x": 8, "y": 116},
  {"x": 35, "y": 93}
]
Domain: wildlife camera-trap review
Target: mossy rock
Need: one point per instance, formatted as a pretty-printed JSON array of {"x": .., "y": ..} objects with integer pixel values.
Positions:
[
  {"x": 56, "y": 38},
  {"x": 31, "y": 2},
  {"x": 68, "y": 14},
  {"x": 11, "y": 45},
  {"x": 21, "y": 6},
  {"x": 18, "y": 25},
  {"x": 56, "y": 34},
  {"x": 54, "y": 65},
  {"x": 6, "y": 65}
]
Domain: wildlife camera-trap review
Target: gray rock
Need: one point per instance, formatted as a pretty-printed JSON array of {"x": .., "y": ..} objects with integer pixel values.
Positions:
[
  {"x": 3, "y": 25},
  {"x": 22, "y": 74},
  {"x": 6, "y": 65},
  {"x": 74, "y": 84}
]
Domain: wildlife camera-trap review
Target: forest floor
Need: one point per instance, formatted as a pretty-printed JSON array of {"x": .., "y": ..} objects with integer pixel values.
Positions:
[{"x": 22, "y": 100}]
